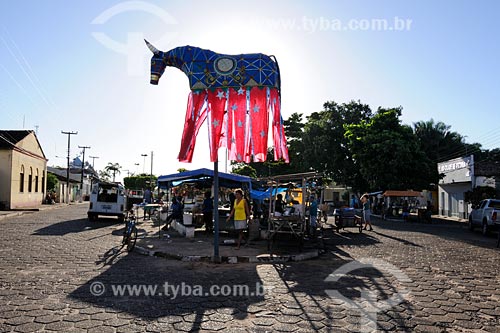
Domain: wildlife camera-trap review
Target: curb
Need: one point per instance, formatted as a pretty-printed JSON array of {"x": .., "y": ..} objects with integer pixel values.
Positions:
[{"x": 262, "y": 258}]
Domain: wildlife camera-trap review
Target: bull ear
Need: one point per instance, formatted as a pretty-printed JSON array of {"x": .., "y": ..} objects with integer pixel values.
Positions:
[{"x": 152, "y": 48}]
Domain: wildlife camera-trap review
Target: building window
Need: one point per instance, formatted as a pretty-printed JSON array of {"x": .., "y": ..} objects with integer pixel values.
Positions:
[
  {"x": 21, "y": 179},
  {"x": 30, "y": 180},
  {"x": 36, "y": 181}
]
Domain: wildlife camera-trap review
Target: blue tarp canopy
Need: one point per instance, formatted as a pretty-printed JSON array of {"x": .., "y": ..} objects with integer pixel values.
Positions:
[
  {"x": 205, "y": 175},
  {"x": 262, "y": 195}
]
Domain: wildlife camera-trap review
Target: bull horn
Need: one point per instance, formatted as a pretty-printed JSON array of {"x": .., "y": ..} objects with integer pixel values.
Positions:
[{"x": 152, "y": 48}]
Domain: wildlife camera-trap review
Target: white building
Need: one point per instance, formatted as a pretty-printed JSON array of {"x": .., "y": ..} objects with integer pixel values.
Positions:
[{"x": 459, "y": 176}]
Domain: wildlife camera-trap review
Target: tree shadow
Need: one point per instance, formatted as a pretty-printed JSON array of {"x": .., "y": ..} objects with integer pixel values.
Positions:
[
  {"x": 445, "y": 229},
  {"x": 335, "y": 294},
  {"x": 404, "y": 241}
]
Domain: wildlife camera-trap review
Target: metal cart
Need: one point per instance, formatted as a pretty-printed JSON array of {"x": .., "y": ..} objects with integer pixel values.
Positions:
[
  {"x": 292, "y": 225},
  {"x": 347, "y": 218}
]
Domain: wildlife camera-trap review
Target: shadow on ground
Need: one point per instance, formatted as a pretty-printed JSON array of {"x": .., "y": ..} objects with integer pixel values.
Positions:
[{"x": 75, "y": 226}]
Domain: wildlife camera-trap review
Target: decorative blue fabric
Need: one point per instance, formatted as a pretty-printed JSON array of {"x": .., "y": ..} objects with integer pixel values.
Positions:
[{"x": 207, "y": 69}]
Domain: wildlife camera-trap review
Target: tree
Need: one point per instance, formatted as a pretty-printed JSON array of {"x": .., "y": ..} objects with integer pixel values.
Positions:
[
  {"x": 326, "y": 146},
  {"x": 438, "y": 141},
  {"x": 245, "y": 170},
  {"x": 387, "y": 153},
  {"x": 138, "y": 182},
  {"x": 112, "y": 168},
  {"x": 52, "y": 182},
  {"x": 104, "y": 175}
]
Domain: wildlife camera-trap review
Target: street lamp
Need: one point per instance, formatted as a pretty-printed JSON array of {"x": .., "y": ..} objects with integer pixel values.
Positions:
[{"x": 144, "y": 162}]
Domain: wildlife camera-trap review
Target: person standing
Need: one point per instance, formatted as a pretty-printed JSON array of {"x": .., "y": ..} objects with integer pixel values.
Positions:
[
  {"x": 241, "y": 213},
  {"x": 366, "y": 211},
  {"x": 354, "y": 202},
  {"x": 147, "y": 198},
  {"x": 207, "y": 210},
  {"x": 313, "y": 215}
]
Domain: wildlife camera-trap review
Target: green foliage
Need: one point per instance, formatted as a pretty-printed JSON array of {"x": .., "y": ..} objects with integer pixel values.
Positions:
[
  {"x": 387, "y": 153},
  {"x": 104, "y": 175},
  {"x": 245, "y": 170},
  {"x": 368, "y": 151},
  {"x": 139, "y": 182},
  {"x": 480, "y": 193},
  {"x": 112, "y": 169},
  {"x": 52, "y": 182},
  {"x": 326, "y": 146}
]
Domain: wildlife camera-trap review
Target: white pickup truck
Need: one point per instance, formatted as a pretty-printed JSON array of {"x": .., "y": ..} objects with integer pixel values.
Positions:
[{"x": 485, "y": 215}]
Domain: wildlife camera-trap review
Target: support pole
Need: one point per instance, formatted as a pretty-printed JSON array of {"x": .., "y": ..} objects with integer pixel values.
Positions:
[
  {"x": 83, "y": 167},
  {"x": 216, "y": 212},
  {"x": 67, "y": 169}
]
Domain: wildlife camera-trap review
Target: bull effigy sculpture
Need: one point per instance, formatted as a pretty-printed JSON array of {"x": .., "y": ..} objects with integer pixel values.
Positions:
[{"x": 237, "y": 93}]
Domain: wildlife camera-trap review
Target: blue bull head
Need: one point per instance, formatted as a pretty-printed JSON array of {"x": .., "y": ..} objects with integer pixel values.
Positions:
[{"x": 207, "y": 69}]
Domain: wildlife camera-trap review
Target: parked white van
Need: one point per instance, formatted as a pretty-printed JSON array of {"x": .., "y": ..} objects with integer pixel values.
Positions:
[{"x": 107, "y": 199}]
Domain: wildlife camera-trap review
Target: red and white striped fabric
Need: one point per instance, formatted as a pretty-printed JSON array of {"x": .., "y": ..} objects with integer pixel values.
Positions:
[{"x": 237, "y": 119}]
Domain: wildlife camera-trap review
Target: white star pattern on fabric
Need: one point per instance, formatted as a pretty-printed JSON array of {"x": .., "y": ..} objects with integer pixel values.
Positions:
[
  {"x": 220, "y": 94},
  {"x": 241, "y": 91},
  {"x": 233, "y": 140},
  {"x": 262, "y": 134},
  {"x": 240, "y": 123},
  {"x": 215, "y": 123},
  {"x": 239, "y": 157},
  {"x": 234, "y": 107},
  {"x": 256, "y": 108}
]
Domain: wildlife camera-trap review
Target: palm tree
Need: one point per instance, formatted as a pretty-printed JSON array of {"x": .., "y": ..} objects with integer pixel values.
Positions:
[
  {"x": 113, "y": 168},
  {"x": 438, "y": 141}
]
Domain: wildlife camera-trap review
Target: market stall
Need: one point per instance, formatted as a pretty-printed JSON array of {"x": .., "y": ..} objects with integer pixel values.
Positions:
[
  {"x": 191, "y": 185},
  {"x": 293, "y": 221}
]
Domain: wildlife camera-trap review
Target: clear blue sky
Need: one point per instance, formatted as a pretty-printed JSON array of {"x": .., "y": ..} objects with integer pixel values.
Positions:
[{"x": 82, "y": 66}]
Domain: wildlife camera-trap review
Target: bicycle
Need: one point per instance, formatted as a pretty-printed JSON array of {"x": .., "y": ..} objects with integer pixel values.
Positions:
[{"x": 130, "y": 233}]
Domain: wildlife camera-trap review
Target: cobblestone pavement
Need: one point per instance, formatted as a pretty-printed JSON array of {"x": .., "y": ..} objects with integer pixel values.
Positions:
[{"x": 60, "y": 272}]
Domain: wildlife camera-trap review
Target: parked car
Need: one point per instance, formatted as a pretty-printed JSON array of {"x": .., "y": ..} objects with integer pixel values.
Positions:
[
  {"x": 107, "y": 199},
  {"x": 485, "y": 215}
]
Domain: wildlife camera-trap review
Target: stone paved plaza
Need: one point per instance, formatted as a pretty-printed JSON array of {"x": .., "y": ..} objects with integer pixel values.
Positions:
[{"x": 60, "y": 272}]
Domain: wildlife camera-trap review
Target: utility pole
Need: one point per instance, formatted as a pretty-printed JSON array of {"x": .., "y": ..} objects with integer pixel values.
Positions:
[
  {"x": 93, "y": 160},
  {"x": 83, "y": 167},
  {"x": 67, "y": 169},
  {"x": 93, "y": 171}
]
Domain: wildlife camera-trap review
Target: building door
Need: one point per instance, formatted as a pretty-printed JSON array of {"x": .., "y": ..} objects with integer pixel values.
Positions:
[
  {"x": 442, "y": 204},
  {"x": 454, "y": 205}
]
